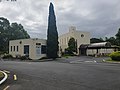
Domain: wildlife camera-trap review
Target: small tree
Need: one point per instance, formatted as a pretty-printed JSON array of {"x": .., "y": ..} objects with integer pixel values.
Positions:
[{"x": 72, "y": 46}]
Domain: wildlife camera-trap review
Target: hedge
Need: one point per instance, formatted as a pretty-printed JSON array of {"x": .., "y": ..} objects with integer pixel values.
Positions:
[
  {"x": 115, "y": 56},
  {"x": 7, "y": 56}
]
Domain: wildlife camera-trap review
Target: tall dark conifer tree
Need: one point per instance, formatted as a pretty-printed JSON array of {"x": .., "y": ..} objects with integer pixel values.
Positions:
[{"x": 52, "y": 34}]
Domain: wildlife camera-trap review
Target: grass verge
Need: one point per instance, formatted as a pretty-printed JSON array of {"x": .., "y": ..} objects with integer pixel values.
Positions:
[
  {"x": 1, "y": 76},
  {"x": 110, "y": 60}
]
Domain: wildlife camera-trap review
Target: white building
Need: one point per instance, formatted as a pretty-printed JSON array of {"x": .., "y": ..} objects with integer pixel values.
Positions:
[
  {"x": 80, "y": 36},
  {"x": 33, "y": 48},
  {"x": 100, "y": 49}
]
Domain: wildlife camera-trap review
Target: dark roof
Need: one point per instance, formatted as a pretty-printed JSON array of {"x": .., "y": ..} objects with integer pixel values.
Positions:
[{"x": 84, "y": 46}]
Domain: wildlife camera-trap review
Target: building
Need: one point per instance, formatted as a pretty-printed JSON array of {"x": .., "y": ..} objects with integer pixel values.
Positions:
[
  {"x": 80, "y": 37},
  {"x": 97, "y": 49},
  {"x": 33, "y": 48}
]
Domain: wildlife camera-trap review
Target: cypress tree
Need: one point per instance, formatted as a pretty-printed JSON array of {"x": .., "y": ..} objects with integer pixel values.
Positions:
[{"x": 52, "y": 34}]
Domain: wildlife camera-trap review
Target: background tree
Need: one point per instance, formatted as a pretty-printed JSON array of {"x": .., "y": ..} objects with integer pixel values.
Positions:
[
  {"x": 112, "y": 40},
  {"x": 118, "y": 37},
  {"x": 10, "y": 32},
  {"x": 52, "y": 34},
  {"x": 19, "y": 31},
  {"x": 96, "y": 40}
]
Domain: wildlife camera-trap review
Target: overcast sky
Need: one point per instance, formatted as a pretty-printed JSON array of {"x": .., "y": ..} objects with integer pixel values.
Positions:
[{"x": 99, "y": 17}]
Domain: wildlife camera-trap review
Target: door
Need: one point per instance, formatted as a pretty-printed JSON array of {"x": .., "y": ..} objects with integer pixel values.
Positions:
[
  {"x": 26, "y": 50},
  {"x": 82, "y": 51}
]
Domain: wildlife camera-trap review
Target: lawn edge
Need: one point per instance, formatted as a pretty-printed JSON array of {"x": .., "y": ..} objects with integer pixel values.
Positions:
[{"x": 5, "y": 77}]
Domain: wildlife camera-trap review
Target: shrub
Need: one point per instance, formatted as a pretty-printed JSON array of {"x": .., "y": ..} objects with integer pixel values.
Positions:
[
  {"x": 18, "y": 56},
  {"x": 1, "y": 75},
  {"x": 115, "y": 56},
  {"x": 25, "y": 58},
  {"x": 7, "y": 56},
  {"x": 68, "y": 52}
]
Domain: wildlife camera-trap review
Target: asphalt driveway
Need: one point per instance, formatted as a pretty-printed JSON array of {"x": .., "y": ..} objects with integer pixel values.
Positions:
[
  {"x": 61, "y": 75},
  {"x": 81, "y": 59}
]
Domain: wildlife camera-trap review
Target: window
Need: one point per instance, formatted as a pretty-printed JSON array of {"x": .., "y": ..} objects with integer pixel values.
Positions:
[
  {"x": 11, "y": 48},
  {"x": 65, "y": 41},
  {"x": 43, "y": 49},
  {"x": 38, "y": 49},
  {"x": 38, "y": 43},
  {"x": 17, "y": 48},
  {"x": 20, "y": 42},
  {"x": 14, "y": 48},
  {"x": 82, "y": 35}
]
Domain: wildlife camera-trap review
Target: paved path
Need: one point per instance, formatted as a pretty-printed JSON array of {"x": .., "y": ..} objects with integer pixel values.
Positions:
[
  {"x": 57, "y": 75},
  {"x": 83, "y": 59}
]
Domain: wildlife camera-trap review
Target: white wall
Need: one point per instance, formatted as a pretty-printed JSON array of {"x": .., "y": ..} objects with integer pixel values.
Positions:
[
  {"x": 32, "y": 47},
  {"x": 64, "y": 39},
  {"x": 100, "y": 51}
]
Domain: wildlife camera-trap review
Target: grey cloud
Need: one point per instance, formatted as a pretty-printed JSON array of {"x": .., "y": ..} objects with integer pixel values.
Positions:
[
  {"x": 103, "y": 13},
  {"x": 100, "y": 17}
]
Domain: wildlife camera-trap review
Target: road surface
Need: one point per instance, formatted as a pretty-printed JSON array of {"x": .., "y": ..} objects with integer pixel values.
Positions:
[{"x": 78, "y": 73}]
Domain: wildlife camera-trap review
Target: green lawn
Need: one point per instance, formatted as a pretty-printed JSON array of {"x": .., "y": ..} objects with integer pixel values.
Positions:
[
  {"x": 1, "y": 75},
  {"x": 110, "y": 60}
]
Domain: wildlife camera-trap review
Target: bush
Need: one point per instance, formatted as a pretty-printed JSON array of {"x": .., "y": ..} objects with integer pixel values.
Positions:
[
  {"x": 1, "y": 76},
  {"x": 68, "y": 52},
  {"x": 7, "y": 56},
  {"x": 18, "y": 56},
  {"x": 25, "y": 58},
  {"x": 115, "y": 56}
]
